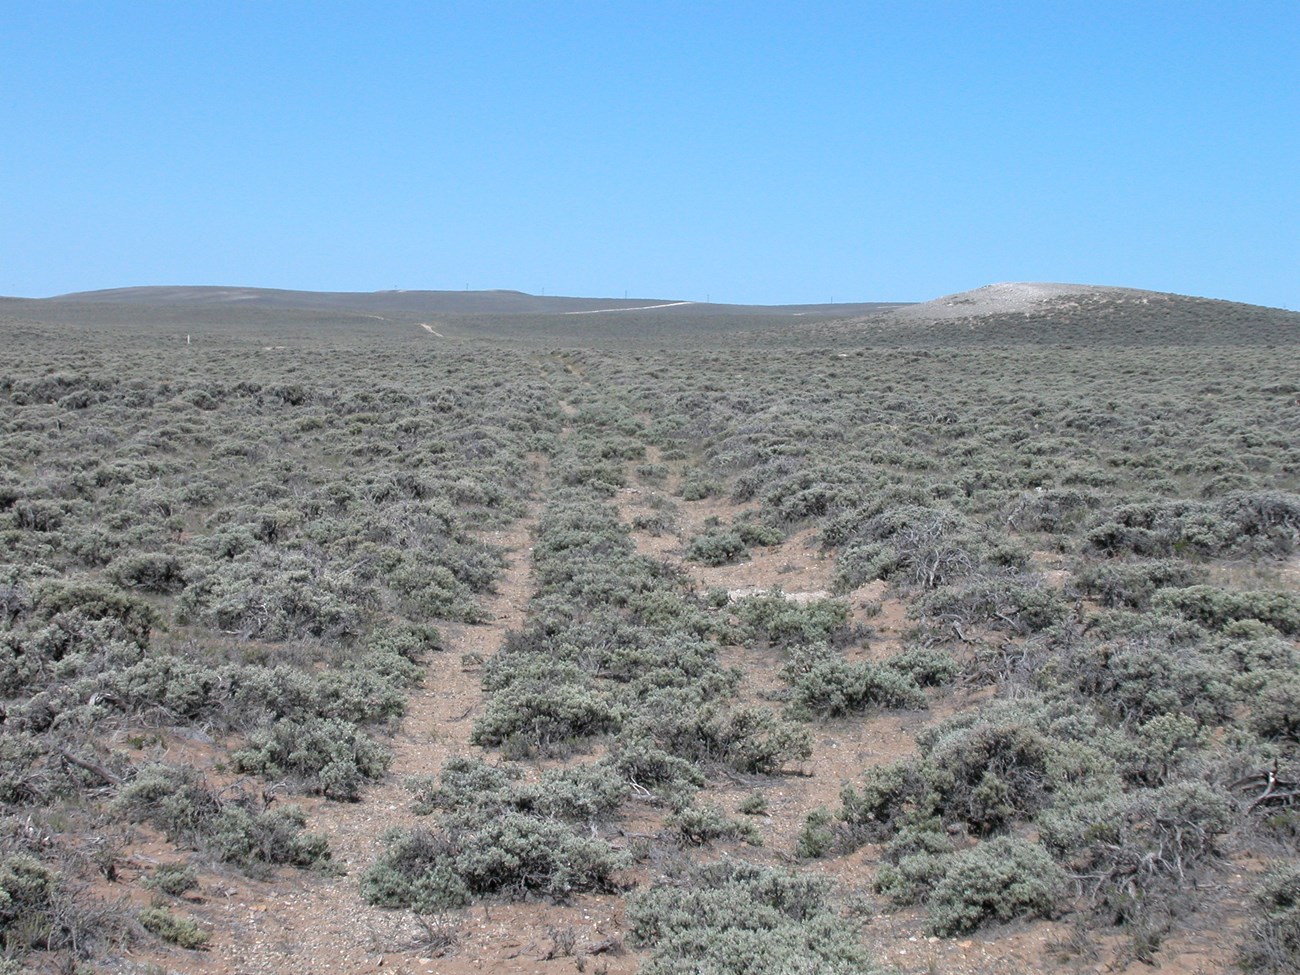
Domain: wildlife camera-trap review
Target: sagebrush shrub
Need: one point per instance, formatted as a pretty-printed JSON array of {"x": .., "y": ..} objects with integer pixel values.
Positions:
[
  {"x": 989, "y": 771},
  {"x": 234, "y": 827},
  {"x": 736, "y": 918},
  {"x": 173, "y": 878},
  {"x": 28, "y": 893},
  {"x": 510, "y": 854},
  {"x": 1273, "y": 941},
  {"x": 915, "y": 860},
  {"x": 328, "y": 756},
  {"x": 998, "y": 880},
  {"x": 1018, "y": 605},
  {"x": 717, "y": 547},
  {"x": 1215, "y": 607},
  {"x": 1133, "y": 584},
  {"x": 701, "y": 825},
  {"x": 180, "y": 931},
  {"x": 834, "y": 687},
  {"x": 1139, "y": 845}
]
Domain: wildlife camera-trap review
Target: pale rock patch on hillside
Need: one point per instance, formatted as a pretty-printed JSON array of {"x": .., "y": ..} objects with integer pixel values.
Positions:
[
  {"x": 797, "y": 598},
  {"x": 1007, "y": 298}
]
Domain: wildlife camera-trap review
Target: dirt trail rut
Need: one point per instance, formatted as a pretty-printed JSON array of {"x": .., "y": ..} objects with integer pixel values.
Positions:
[
  {"x": 309, "y": 923},
  {"x": 304, "y": 923}
]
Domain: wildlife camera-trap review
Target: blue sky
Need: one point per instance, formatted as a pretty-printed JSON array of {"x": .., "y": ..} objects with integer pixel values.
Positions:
[{"x": 747, "y": 152}]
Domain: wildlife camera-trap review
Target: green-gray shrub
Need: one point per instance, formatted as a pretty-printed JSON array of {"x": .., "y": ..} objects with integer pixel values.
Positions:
[
  {"x": 927, "y": 666},
  {"x": 1215, "y": 607},
  {"x": 1137, "y": 846},
  {"x": 1275, "y": 710},
  {"x": 1133, "y": 584},
  {"x": 1272, "y": 944},
  {"x": 834, "y": 687},
  {"x": 736, "y": 919},
  {"x": 28, "y": 894},
  {"x": 233, "y": 827},
  {"x": 989, "y": 769},
  {"x": 511, "y": 854},
  {"x": 328, "y": 756},
  {"x": 183, "y": 932},
  {"x": 1018, "y": 605},
  {"x": 718, "y": 546},
  {"x": 998, "y": 880},
  {"x": 915, "y": 860},
  {"x": 172, "y": 878},
  {"x": 700, "y": 825},
  {"x": 783, "y": 623}
]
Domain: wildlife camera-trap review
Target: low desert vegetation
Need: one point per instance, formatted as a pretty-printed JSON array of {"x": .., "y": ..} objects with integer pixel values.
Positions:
[{"x": 225, "y": 569}]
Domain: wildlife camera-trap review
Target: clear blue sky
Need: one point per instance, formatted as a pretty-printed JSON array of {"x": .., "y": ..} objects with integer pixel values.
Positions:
[{"x": 747, "y": 151}]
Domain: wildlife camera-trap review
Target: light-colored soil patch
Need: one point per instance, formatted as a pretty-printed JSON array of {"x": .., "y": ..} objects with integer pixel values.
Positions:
[{"x": 797, "y": 566}]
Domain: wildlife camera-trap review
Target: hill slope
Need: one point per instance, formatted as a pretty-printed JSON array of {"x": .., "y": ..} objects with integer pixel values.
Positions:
[
  {"x": 997, "y": 314},
  {"x": 1066, "y": 314}
]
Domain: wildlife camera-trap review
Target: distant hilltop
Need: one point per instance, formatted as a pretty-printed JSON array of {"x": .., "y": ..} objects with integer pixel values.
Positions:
[
  {"x": 992, "y": 299},
  {"x": 408, "y": 304},
  {"x": 1008, "y": 313}
]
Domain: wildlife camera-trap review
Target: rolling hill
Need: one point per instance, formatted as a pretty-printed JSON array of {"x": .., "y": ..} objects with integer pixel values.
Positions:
[{"x": 1006, "y": 313}]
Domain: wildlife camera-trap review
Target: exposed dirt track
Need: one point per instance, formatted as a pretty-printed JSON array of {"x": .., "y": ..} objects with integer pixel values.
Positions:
[
  {"x": 306, "y": 923},
  {"x": 602, "y": 311}
]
